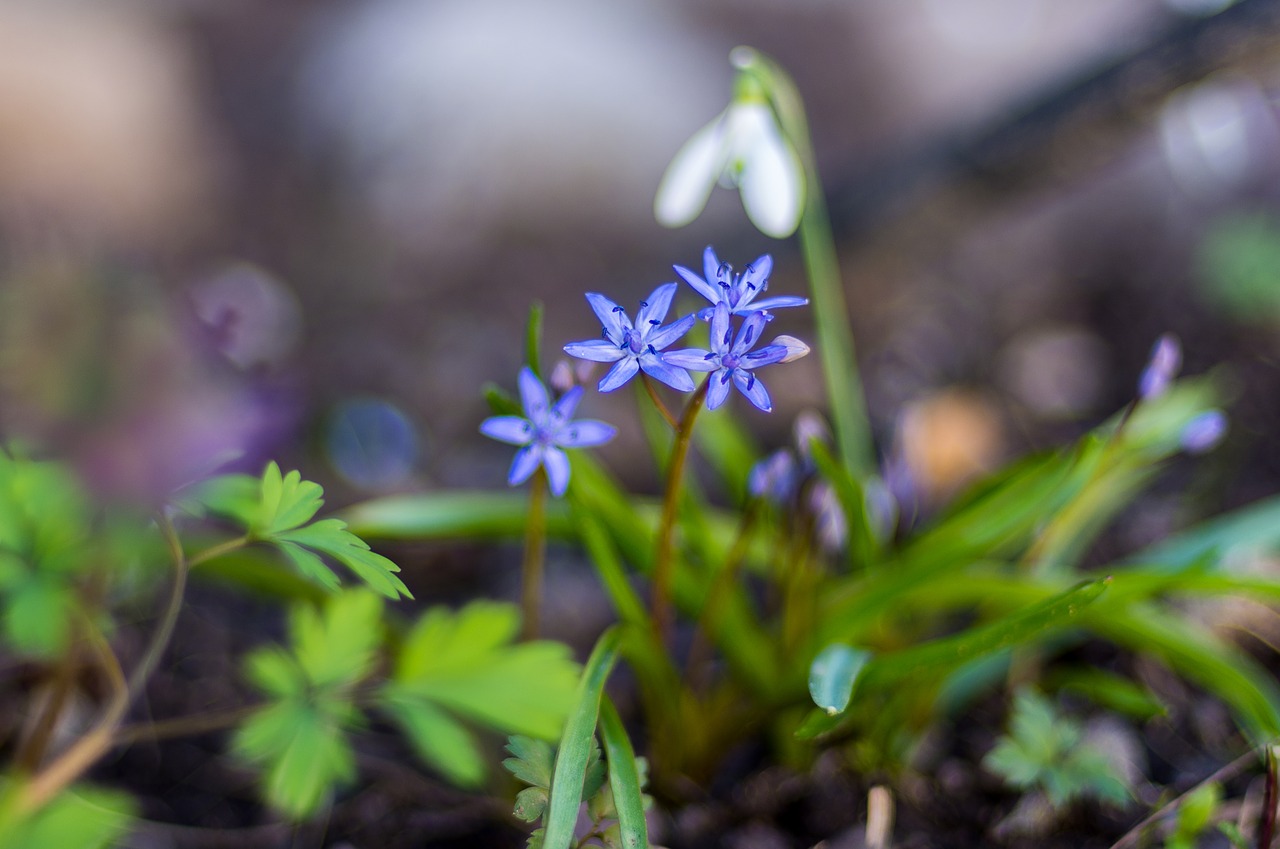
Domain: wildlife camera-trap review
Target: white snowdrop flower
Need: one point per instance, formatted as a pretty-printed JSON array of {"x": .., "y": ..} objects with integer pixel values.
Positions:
[{"x": 742, "y": 148}]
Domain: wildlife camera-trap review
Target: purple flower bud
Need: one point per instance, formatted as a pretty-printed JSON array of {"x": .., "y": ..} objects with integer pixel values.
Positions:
[
  {"x": 1204, "y": 432},
  {"x": 1162, "y": 367},
  {"x": 810, "y": 425},
  {"x": 774, "y": 478},
  {"x": 829, "y": 522},
  {"x": 562, "y": 377}
]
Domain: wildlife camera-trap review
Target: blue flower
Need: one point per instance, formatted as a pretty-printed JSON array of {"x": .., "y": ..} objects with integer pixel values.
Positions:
[
  {"x": 635, "y": 347},
  {"x": 733, "y": 359},
  {"x": 543, "y": 431},
  {"x": 739, "y": 291}
]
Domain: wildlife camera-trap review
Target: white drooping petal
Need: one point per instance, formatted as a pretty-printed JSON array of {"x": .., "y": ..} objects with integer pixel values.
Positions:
[
  {"x": 692, "y": 175},
  {"x": 772, "y": 181}
]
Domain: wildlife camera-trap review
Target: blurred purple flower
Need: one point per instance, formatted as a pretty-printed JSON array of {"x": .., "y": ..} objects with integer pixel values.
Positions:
[
  {"x": 775, "y": 477},
  {"x": 543, "y": 431},
  {"x": 732, "y": 359},
  {"x": 1204, "y": 432},
  {"x": 1162, "y": 367},
  {"x": 739, "y": 291},
  {"x": 634, "y": 348}
]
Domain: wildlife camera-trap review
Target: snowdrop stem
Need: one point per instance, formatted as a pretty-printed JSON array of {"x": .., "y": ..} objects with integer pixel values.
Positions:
[
  {"x": 657, "y": 402},
  {"x": 817, "y": 245},
  {"x": 664, "y": 556},
  {"x": 535, "y": 552}
]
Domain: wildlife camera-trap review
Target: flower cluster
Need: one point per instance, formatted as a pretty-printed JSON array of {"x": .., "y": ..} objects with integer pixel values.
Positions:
[{"x": 641, "y": 346}]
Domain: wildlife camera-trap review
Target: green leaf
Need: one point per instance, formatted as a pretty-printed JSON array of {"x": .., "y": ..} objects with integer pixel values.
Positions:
[
  {"x": 533, "y": 339},
  {"x": 304, "y": 753},
  {"x": 465, "y": 662},
  {"x": 439, "y": 739},
  {"x": 331, "y": 537},
  {"x": 275, "y": 672},
  {"x": 79, "y": 818},
  {"x": 38, "y": 615},
  {"x": 833, "y": 674},
  {"x": 577, "y": 743},
  {"x": 338, "y": 645},
  {"x": 532, "y": 762},
  {"x": 624, "y": 779},
  {"x": 531, "y": 802}
]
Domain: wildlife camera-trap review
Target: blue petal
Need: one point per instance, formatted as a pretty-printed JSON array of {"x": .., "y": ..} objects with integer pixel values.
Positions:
[
  {"x": 533, "y": 396},
  {"x": 526, "y": 460},
  {"x": 596, "y": 350},
  {"x": 676, "y": 378},
  {"x": 766, "y": 356},
  {"x": 513, "y": 430},
  {"x": 557, "y": 465},
  {"x": 692, "y": 358},
  {"x": 663, "y": 337},
  {"x": 702, "y": 287},
  {"x": 751, "y": 386},
  {"x": 619, "y": 374},
  {"x": 778, "y": 302},
  {"x": 563, "y": 410},
  {"x": 655, "y": 308},
  {"x": 711, "y": 265},
  {"x": 720, "y": 329},
  {"x": 749, "y": 333},
  {"x": 756, "y": 277},
  {"x": 585, "y": 433},
  {"x": 719, "y": 389},
  {"x": 610, "y": 314}
]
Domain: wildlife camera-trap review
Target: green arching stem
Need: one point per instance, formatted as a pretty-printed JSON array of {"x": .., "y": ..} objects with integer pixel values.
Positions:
[
  {"x": 663, "y": 561},
  {"x": 535, "y": 555},
  {"x": 817, "y": 245},
  {"x": 699, "y": 645}
]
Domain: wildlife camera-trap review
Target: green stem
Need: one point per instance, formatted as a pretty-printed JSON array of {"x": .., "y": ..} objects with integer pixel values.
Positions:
[
  {"x": 817, "y": 245},
  {"x": 697, "y": 672},
  {"x": 657, "y": 401},
  {"x": 663, "y": 563},
  {"x": 535, "y": 555},
  {"x": 216, "y": 551}
]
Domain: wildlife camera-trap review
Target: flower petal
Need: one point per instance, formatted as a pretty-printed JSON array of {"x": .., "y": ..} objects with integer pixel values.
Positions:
[
  {"x": 585, "y": 433},
  {"x": 751, "y": 386},
  {"x": 533, "y": 396},
  {"x": 563, "y": 410},
  {"x": 610, "y": 315},
  {"x": 719, "y": 388},
  {"x": 691, "y": 176},
  {"x": 619, "y": 374},
  {"x": 557, "y": 466},
  {"x": 654, "y": 309},
  {"x": 711, "y": 268},
  {"x": 755, "y": 278},
  {"x": 696, "y": 359},
  {"x": 771, "y": 182},
  {"x": 707, "y": 290},
  {"x": 664, "y": 336},
  {"x": 776, "y": 303},
  {"x": 721, "y": 334},
  {"x": 526, "y": 460},
  {"x": 676, "y": 378},
  {"x": 766, "y": 356},
  {"x": 513, "y": 430},
  {"x": 596, "y": 350},
  {"x": 749, "y": 333}
]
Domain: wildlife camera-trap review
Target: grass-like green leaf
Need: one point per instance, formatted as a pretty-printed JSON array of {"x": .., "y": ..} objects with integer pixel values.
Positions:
[
  {"x": 577, "y": 744},
  {"x": 624, "y": 779},
  {"x": 833, "y": 674}
]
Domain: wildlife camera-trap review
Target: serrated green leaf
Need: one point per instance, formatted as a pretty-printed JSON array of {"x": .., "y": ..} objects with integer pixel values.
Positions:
[
  {"x": 274, "y": 671},
  {"x": 330, "y": 537},
  {"x": 309, "y": 565},
  {"x": 234, "y": 497},
  {"x": 338, "y": 645},
  {"x": 593, "y": 780},
  {"x": 465, "y": 662},
  {"x": 533, "y": 761},
  {"x": 38, "y": 616},
  {"x": 537, "y": 839},
  {"x": 79, "y": 818},
  {"x": 833, "y": 674},
  {"x": 531, "y": 802},
  {"x": 438, "y": 738},
  {"x": 303, "y": 751},
  {"x": 287, "y": 502}
]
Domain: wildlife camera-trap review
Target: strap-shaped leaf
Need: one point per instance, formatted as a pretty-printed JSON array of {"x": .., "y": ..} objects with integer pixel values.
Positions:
[
  {"x": 624, "y": 779},
  {"x": 832, "y": 676}
]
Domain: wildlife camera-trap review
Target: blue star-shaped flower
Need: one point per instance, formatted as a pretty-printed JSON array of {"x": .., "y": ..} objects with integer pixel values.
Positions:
[
  {"x": 635, "y": 347},
  {"x": 739, "y": 291},
  {"x": 543, "y": 431},
  {"x": 733, "y": 359}
]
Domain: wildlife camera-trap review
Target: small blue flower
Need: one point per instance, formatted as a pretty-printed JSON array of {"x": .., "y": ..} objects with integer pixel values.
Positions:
[
  {"x": 739, "y": 291},
  {"x": 543, "y": 431},
  {"x": 733, "y": 359},
  {"x": 1204, "y": 432},
  {"x": 635, "y": 347},
  {"x": 1162, "y": 367}
]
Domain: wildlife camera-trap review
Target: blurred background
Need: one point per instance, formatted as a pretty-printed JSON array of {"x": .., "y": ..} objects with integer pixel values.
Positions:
[{"x": 311, "y": 230}]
